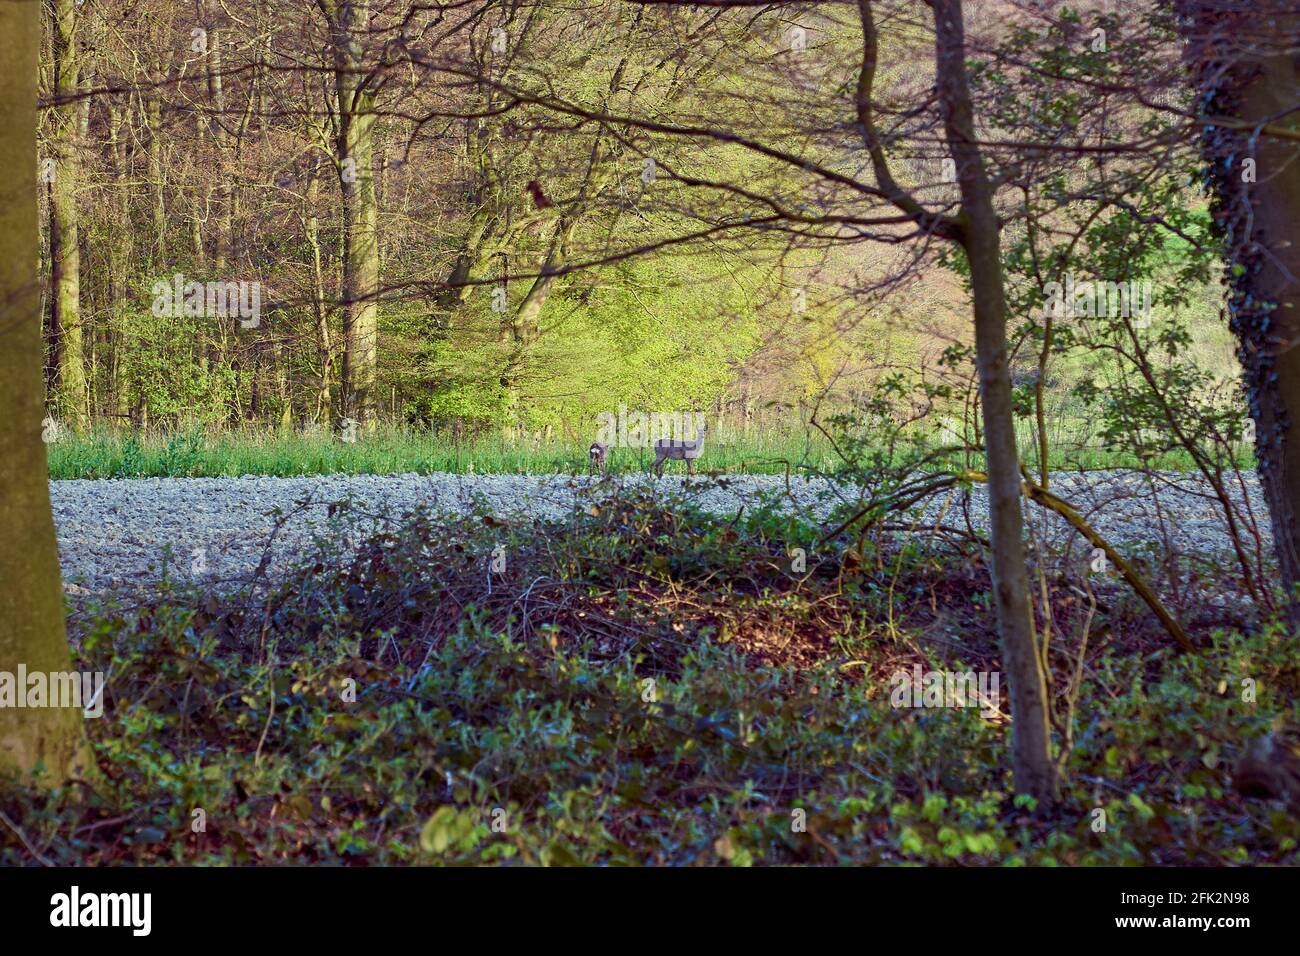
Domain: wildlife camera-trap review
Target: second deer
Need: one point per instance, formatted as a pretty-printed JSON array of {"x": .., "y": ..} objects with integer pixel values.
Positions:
[{"x": 675, "y": 449}]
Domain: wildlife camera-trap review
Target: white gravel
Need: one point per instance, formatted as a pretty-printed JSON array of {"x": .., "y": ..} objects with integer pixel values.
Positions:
[{"x": 125, "y": 533}]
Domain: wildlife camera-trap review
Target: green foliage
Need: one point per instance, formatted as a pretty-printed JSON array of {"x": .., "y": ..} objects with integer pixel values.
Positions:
[
  {"x": 652, "y": 334},
  {"x": 1148, "y": 390},
  {"x": 348, "y": 719},
  {"x": 168, "y": 369}
]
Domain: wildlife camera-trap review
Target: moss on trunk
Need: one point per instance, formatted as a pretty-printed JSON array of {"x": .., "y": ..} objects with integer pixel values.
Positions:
[{"x": 31, "y": 597}]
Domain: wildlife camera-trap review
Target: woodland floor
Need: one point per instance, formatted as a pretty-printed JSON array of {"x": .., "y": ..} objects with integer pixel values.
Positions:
[{"x": 644, "y": 682}]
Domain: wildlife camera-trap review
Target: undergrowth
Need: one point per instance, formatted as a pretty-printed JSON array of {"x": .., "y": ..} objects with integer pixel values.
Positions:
[{"x": 641, "y": 684}]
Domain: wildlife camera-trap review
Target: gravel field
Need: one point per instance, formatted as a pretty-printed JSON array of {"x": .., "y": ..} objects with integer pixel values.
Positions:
[{"x": 125, "y": 533}]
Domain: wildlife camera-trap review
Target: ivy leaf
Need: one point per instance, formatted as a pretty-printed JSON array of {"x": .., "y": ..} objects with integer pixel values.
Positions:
[{"x": 436, "y": 835}]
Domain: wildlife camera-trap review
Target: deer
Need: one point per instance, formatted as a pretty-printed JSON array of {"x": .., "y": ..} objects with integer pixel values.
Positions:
[
  {"x": 675, "y": 449},
  {"x": 597, "y": 456}
]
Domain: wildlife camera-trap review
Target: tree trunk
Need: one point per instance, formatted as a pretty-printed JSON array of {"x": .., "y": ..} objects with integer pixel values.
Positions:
[
  {"x": 119, "y": 251},
  {"x": 468, "y": 265},
  {"x": 528, "y": 317},
  {"x": 348, "y": 20},
  {"x": 31, "y": 598},
  {"x": 223, "y": 245},
  {"x": 1035, "y": 771},
  {"x": 65, "y": 257},
  {"x": 311, "y": 226},
  {"x": 1256, "y": 184},
  {"x": 153, "y": 120}
]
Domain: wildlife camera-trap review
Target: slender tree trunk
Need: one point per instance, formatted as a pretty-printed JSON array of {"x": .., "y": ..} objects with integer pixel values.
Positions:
[
  {"x": 284, "y": 387},
  {"x": 31, "y": 598},
  {"x": 255, "y": 385},
  {"x": 200, "y": 207},
  {"x": 1035, "y": 771},
  {"x": 1249, "y": 87},
  {"x": 153, "y": 120},
  {"x": 311, "y": 225},
  {"x": 223, "y": 245},
  {"x": 65, "y": 256},
  {"x": 119, "y": 251}
]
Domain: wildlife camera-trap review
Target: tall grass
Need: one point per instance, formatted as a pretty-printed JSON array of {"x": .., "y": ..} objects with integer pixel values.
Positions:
[
  {"x": 234, "y": 453},
  {"x": 387, "y": 450}
]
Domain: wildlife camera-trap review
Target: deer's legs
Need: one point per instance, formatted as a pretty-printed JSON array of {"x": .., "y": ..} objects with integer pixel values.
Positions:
[{"x": 690, "y": 466}]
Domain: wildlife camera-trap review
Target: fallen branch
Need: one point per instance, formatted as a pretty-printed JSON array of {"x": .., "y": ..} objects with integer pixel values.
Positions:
[
  {"x": 901, "y": 500},
  {"x": 1042, "y": 496}
]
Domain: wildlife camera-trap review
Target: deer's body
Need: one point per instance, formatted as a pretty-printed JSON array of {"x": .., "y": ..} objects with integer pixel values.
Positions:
[
  {"x": 597, "y": 456},
  {"x": 672, "y": 449}
]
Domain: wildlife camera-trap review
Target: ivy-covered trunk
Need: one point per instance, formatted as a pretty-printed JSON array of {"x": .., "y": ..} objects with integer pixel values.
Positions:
[{"x": 1242, "y": 56}]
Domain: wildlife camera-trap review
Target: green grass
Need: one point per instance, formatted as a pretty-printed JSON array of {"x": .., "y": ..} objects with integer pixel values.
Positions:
[{"x": 197, "y": 454}]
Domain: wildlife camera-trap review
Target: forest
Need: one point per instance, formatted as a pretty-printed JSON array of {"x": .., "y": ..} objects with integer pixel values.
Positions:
[{"x": 636, "y": 432}]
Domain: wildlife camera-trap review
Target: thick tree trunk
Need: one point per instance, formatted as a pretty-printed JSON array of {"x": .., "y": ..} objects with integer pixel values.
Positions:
[
  {"x": 348, "y": 22},
  {"x": 1256, "y": 183},
  {"x": 1035, "y": 771},
  {"x": 467, "y": 266},
  {"x": 31, "y": 597},
  {"x": 65, "y": 257},
  {"x": 527, "y": 320},
  {"x": 483, "y": 233}
]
